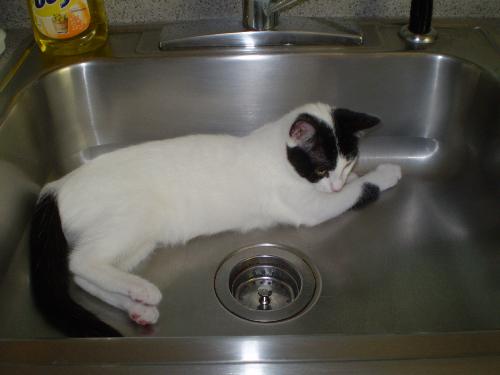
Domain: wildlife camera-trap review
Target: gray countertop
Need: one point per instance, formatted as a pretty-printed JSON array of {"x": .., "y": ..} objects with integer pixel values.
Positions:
[{"x": 14, "y": 13}]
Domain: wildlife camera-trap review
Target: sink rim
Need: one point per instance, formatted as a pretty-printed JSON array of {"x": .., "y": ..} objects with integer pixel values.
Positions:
[
  {"x": 265, "y": 349},
  {"x": 189, "y": 350}
]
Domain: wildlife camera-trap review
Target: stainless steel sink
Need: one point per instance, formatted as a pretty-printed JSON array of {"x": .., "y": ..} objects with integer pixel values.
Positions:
[{"x": 415, "y": 275}]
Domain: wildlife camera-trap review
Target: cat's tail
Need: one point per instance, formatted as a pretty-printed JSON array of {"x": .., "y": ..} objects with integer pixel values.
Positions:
[{"x": 50, "y": 276}]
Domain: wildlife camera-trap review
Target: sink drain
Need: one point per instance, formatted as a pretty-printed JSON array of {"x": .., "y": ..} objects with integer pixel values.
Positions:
[{"x": 265, "y": 283}]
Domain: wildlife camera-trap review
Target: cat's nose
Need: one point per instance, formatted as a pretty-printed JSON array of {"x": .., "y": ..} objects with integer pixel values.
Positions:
[{"x": 337, "y": 185}]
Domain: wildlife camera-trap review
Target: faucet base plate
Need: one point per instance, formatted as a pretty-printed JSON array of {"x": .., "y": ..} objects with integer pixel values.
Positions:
[{"x": 230, "y": 33}]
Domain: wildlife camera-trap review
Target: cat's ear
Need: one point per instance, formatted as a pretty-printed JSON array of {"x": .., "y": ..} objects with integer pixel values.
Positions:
[
  {"x": 355, "y": 122},
  {"x": 302, "y": 132}
]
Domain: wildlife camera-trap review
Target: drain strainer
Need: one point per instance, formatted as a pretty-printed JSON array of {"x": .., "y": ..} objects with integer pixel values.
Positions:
[{"x": 265, "y": 283}]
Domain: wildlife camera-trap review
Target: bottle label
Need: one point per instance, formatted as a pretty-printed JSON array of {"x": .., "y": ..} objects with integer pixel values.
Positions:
[{"x": 61, "y": 19}]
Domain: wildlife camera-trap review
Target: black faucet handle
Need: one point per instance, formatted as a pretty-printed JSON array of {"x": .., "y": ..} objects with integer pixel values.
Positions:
[
  {"x": 420, "y": 16},
  {"x": 419, "y": 31}
]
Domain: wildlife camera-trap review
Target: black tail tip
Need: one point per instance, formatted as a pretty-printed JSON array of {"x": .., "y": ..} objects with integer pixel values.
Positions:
[{"x": 50, "y": 276}]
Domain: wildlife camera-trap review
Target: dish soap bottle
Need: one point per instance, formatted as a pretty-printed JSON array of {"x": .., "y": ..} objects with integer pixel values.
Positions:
[{"x": 68, "y": 27}]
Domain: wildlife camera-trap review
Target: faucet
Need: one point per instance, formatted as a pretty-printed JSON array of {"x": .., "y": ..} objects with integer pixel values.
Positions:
[
  {"x": 264, "y": 14},
  {"x": 260, "y": 15},
  {"x": 419, "y": 32}
]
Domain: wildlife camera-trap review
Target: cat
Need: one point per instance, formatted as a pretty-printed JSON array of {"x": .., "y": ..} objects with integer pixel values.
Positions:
[{"x": 99, "y": 221}]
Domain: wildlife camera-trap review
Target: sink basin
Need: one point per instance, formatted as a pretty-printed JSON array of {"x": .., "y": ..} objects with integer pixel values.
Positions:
[{"x": 423, "y": 259}]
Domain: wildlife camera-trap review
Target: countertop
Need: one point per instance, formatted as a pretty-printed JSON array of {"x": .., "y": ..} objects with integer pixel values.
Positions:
[{"x": 15, "y": 15}]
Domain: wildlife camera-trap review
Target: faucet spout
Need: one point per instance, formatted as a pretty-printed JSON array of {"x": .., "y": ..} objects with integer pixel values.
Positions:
[{"x": 264, "y": 14}]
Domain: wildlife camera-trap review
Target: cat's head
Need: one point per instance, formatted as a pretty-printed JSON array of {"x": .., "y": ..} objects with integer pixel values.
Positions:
[{"x": 323, "y": 144}]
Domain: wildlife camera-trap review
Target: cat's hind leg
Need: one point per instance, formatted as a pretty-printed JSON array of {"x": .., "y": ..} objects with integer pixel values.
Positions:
[
  {"x": 128, "y": 262},
  {"x": 138, "y": 312},
  {"x": 95, "y": 261}
]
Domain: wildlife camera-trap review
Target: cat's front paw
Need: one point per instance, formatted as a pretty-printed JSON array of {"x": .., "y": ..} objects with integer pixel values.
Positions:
[{"x": 386, "y": 176}]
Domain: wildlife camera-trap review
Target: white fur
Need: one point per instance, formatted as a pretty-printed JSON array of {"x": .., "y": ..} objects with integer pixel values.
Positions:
[
  {"x": 117, "y": 208},
  {"x": 338, "y": 177}
]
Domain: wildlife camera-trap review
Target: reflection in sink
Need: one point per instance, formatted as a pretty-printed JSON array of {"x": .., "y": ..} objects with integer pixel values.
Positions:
[
  {"x": 417, "y": 260},
  {"x": 93, "y": 152}
]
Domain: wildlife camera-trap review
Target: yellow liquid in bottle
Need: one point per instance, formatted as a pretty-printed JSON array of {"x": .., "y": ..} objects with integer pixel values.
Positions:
[{"x": 64, "y": 27}]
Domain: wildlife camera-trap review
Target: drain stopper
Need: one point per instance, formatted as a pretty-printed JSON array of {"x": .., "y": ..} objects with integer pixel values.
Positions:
[{"x": 264, "y": 297}]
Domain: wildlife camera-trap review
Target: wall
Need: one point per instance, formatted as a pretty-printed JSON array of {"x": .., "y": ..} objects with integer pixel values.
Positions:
[{"x": 13, "y": 13}]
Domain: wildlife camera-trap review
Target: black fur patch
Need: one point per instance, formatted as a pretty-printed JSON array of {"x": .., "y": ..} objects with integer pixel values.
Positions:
[
  {"x": 369, "y": 194},
  {"x": 50, "y": 276},
  {"x": 348, "y": 125},
  {"x": 321, "y": 150}
]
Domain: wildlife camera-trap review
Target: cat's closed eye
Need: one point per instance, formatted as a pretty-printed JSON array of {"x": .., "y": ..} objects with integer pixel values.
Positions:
[{"x": 321, "y": 171}]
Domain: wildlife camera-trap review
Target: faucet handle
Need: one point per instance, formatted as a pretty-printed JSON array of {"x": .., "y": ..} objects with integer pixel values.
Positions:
[{"x": 419, "y": 31}]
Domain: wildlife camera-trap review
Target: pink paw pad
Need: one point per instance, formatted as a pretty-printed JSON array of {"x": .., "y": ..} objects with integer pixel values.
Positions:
[
  {"x": 146, "y": 294},
  {"x": 139, "y": 319},
  {"x": 144, "y": 315}
]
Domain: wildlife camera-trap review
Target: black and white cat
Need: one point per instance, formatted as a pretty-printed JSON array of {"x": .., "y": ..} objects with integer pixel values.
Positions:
[{"x": 99, "y": 221}]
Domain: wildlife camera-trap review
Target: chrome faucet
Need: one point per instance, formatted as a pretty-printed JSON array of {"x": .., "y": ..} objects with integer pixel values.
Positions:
[
  {"x": 260, "y": 16},
  {"x": 264, "y": 14}
]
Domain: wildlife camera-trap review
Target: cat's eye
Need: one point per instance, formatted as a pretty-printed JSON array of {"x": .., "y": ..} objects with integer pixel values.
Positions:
[{"x": 321, "y": 171}]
